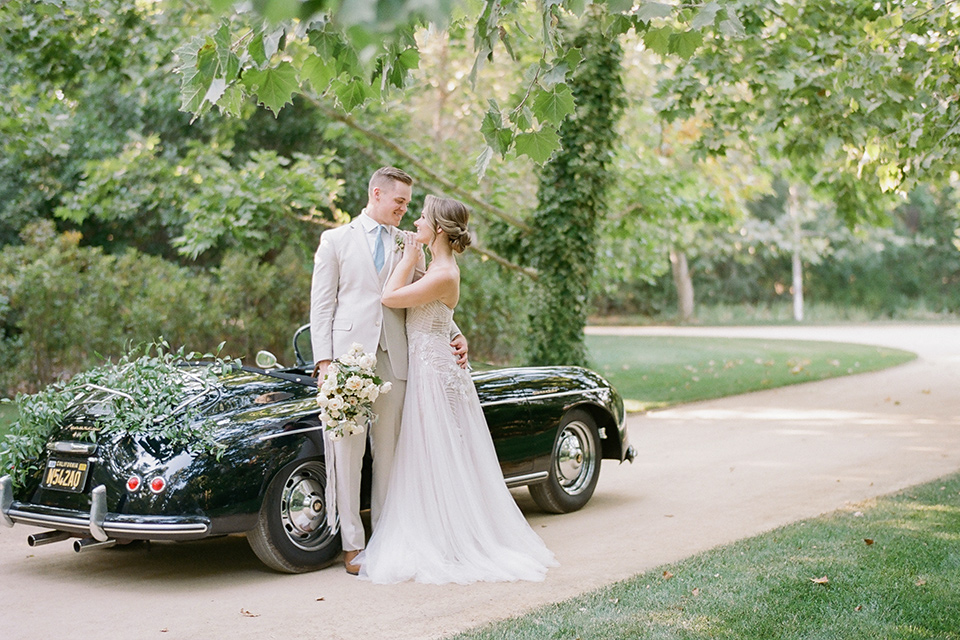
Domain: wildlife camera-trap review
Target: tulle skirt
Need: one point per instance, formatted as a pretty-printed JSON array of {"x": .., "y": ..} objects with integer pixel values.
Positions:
[{"x": 448, "y": 516}]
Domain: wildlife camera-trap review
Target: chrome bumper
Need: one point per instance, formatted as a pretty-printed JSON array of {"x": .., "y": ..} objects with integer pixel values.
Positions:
[{"x": 99, "y": 523}]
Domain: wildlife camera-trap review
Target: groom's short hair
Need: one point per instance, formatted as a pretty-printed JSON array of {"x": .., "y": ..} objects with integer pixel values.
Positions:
[{"x": 384, "y": 175}]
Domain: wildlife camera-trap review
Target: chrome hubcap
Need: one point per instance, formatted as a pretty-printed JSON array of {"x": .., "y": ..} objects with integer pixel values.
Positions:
[
  {"x": 576, "y": 458},
  {"x": 302, "y": 509}
]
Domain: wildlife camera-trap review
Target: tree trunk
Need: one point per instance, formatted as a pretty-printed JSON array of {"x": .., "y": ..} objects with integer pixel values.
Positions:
[
  {"x": 684, "y": 284},
  {"x": 797, "y": 283},
  {"x": 571, "y": 201}
]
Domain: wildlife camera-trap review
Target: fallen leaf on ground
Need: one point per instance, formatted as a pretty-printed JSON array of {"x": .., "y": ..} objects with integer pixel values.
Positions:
[
  {"x": 667, "y": 575},
  {"x": 164, "y": 630},
  {"x": 858, "y": 607},
  {"x": 246, "y": 613},
  {"x": 921, "y": 582},
  {"x": 868, "y": 540},
  {"x": 823, "y": 580},
  {"x": 615, "y": 600},
  {"x": 320, "y": 599},
  {"x": 696, "y": 591}
]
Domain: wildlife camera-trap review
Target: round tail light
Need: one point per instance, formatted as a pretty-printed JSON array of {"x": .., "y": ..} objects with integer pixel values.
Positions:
[
  {"x": 158, "y": 484},
  {"x": 133, "y": 483}
]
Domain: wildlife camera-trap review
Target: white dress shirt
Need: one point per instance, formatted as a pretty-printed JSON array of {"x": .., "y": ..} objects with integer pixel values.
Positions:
[{"x": 370, "y": 228}]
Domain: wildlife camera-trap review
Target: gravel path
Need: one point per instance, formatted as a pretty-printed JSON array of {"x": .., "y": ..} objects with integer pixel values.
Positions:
[{"x": 707, "y": 473}]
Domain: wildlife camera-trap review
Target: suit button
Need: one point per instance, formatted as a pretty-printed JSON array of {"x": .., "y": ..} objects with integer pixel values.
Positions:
[{"x": 377, "y": 324}]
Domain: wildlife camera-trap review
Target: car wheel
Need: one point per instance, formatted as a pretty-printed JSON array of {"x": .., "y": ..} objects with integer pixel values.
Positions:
[
  {"x": 574, "y": 466},
  {"x": 292, "y": 534}
]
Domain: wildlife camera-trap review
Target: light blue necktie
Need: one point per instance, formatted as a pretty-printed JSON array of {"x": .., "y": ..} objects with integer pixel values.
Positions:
[{"x": 378, "y": 249}]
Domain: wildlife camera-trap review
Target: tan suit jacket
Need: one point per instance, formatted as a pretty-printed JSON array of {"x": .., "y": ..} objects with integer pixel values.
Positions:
[{"x": 345, "y": 298}]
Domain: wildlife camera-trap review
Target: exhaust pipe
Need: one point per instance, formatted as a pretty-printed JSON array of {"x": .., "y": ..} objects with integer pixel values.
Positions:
[
  {"x": 87, "y": 544},
  {"x": 47, "y": 537}
]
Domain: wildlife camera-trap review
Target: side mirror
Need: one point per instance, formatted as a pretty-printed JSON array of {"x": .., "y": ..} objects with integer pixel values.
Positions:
[{"x": 266, "y": 360}]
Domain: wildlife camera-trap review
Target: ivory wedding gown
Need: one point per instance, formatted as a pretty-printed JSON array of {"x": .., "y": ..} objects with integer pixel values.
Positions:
[{"x": 448, "y": 516}]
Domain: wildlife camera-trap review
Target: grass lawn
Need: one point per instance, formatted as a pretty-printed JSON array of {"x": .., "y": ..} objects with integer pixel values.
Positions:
[
  {"x": 652, "y": 372},
  {"x": 886, "y": 569}
]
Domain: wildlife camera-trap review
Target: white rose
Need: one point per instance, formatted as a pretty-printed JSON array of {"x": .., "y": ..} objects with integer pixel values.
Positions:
[
  {"x": 355, "y": 428},
  {"x": 335, "y": 403},
  {"x": 354, "y": 383},
  {"x": 386, "y": 386},
  {"x": 367, "y": 361},
  {"x": 328, "y": 387},
  {"x": 333, "y": 370},
  {"x": 335, "y": 435},
  {"x": 322, "y": 402},
  {"x": 356, "y": 349},
  {"x": 372, "y": 392},
  {"x": 348, "y": 360}
]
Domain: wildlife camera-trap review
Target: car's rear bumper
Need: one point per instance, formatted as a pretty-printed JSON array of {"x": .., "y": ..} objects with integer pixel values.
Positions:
[{"x": 99, "y": 523}]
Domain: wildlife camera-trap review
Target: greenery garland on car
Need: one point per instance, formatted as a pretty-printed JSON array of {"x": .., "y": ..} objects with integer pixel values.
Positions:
[{"x": 146, "y": 387}]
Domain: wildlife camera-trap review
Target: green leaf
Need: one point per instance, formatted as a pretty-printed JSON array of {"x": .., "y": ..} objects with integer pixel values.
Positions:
[
  {"x": 555, "y": 75},
  {"x": 318, "y": 72},
  {"x": 685, "y": 44},
  {"x": 227, "y": 61},
  {"x": 553, "y": 106},
  {"x": 706, "y": 16},
  {"x": 409, "y": 59},
  {"x": 621, "y": 24},
  {"x": 650, "y": 10},
  {"x": 658, "y": 40},
  {"x": 730, "y": 25},
  {"x": 231, "y": 103},
  {"x": 538, "y": 145},
  {"x": 325, "y": 42},
  {"x": 198, "y": 72},
  {"x": 274, "y": 87},
  {"x": 483, "y": 161},
  {"x": 273, "y": 42},
  {"x": 492, "y": 121},
  {"x": 522, "y": 119},
  {"x": 351, "y": 94},
  {"x": 257, "y": 53}
]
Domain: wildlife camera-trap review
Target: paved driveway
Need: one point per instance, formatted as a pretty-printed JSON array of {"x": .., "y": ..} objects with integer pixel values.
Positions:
[{"x": 707, "y": 473}]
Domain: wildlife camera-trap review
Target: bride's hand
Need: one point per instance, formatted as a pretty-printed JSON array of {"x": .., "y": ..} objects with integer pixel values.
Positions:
[{"x": 412, "y": 250}]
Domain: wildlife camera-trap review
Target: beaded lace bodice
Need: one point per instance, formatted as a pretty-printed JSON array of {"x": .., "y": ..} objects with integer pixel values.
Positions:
[{"x": 428, "y": 339}]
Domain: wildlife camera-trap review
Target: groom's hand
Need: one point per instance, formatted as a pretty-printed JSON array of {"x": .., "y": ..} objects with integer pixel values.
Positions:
[
  {"x": 459, "y": 345},
  {"x": 321, "y": 370}
]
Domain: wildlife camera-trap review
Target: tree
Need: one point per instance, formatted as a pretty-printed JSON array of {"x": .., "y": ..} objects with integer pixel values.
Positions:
[
  {"x": 859, "y": 97},
  {"x": 347, "y": 54},
  {"x": 572, "y": 201}
]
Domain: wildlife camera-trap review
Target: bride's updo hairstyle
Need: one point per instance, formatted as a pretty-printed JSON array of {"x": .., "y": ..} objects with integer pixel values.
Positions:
[{"x": 452, "y": 217}]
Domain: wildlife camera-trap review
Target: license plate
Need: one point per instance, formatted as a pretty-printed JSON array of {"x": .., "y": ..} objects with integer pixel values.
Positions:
[{"x": 65, "y": 475}]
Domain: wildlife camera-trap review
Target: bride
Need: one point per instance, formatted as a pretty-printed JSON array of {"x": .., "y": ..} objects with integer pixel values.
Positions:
[{"x": 448, "y": 516}]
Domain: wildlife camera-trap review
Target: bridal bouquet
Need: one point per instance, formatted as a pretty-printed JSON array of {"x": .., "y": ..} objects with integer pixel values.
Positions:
[{"x": 348, "y": 391}]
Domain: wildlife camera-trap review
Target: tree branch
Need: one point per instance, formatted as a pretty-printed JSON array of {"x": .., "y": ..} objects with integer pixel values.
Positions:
[
  {"x": 503, "y": 262},
  {"x": 431, "y": 176}
]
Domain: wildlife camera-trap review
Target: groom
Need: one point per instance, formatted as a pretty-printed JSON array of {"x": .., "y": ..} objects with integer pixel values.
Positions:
[{"x": 351, "y": 265}]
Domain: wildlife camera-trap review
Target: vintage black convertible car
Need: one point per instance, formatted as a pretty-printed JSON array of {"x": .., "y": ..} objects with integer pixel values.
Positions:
[{"x": 551, "y": 427}]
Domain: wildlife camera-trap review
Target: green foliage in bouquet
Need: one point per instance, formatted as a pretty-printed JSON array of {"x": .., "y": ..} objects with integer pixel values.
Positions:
[{"x": 146, "y": 388}]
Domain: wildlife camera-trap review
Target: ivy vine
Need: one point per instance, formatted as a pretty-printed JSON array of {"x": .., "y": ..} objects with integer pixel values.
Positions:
[
  {"x": 142, "y": 394},
  {"x": 571, "y": 198}
]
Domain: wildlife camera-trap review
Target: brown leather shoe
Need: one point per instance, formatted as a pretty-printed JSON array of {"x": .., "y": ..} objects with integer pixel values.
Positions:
[{"x": 348, "y": 558}]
